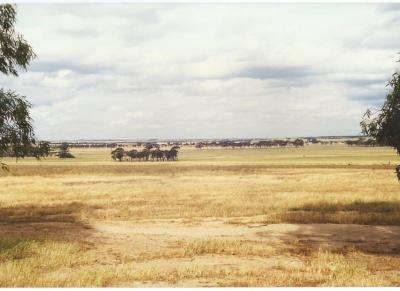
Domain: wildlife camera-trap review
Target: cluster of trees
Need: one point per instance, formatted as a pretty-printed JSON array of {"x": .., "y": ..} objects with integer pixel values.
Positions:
[
  {"x": 149, "y": 152},
  {"x": 314, "y": 140},
  {"x": 259, "y": 144},
  {"x": 63, "y": 152},
  {"x": 366, "y": 142},
  {"x": 279, "y": 143}
]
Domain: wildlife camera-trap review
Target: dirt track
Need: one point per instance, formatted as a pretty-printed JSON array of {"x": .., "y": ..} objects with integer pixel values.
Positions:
[
  {"x": 136, "y": 238},
  {"x": 158, "y": 243}
]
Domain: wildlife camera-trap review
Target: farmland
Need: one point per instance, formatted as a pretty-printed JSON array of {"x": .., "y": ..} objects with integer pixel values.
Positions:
[{"x": 312, "y": 216}]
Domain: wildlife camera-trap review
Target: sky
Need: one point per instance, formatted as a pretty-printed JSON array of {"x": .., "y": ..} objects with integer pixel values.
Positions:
[{"x": 171, "y": 71}]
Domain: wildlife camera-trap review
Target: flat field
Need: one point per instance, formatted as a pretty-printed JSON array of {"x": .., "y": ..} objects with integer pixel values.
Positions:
[{"x": 312, "y": 216}]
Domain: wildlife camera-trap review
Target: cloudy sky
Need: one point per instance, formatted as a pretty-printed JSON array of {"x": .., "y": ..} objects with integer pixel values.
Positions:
[{"x": 133, "y": 71}]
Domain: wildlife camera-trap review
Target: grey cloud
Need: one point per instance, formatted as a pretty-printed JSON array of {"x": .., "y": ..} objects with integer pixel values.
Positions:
[
  {"x": 54, "y": 66},
  {"x": 372, "y": 97},
  {"x": 275, "y": 72},
  {"x": 389, "y": 7},
  {"x": 79, "y": 33},
  {"x": 142, "y": 13},
  {"x": 362, "y": 82}
]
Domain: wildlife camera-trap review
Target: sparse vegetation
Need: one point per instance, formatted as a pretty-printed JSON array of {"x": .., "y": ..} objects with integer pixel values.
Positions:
[
  {"x": 246, "y": 217},
  {"x": 304, "y": 211}
]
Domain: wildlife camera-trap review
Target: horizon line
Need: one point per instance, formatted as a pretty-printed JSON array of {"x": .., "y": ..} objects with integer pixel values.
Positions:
[{"x": 187, "y": 139}]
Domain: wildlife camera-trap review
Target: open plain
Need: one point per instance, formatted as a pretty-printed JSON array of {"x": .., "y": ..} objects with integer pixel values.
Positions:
[{"x": 312, "y": 216}]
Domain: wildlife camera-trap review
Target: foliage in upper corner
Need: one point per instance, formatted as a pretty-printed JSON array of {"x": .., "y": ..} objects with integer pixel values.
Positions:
[
  {"x": 15, "y": 52},
  {"x": 17, "y": 137}
]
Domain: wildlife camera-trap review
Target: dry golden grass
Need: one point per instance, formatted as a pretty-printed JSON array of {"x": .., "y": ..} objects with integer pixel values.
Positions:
[
  {"x": 227, "y": 247},
  {"x": 49, "y": 263},
  {"x": 362, "y": 196},
  {"x": 52, "y": 213}
]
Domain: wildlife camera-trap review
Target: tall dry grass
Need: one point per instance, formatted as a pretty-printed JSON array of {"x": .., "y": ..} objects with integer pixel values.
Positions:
[
  {"x": 274, "y": 195},
  {"x": 312, "y": 185},
  {"x": 29, "y": 263}
]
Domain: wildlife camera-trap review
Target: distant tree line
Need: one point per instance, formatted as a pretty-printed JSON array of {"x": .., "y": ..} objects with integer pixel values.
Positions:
[
  {"x": 92, "y": 145},
  {"x": 115, "y": 145},
  {"x": 248, "y": 144},
  {"x": 366, "y": 142}
]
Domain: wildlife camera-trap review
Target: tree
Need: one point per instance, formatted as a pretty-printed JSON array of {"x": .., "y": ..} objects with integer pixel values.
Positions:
[
  {"x": 63, "y": 152},
  {"x": 41, "y": 150},
  {"x": 64, "y": 146},
  {"x": 16, "y": 131},
  {"x": 384, "y": 124},
  {"x": 118, "y": 154},
  {"x": 44, "y": 148},
  {"x": 298, "y": 142}
]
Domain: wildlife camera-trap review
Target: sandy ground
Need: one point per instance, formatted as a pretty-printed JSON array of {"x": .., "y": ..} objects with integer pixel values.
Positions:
[
  {"x": 365, "y": 236},
  {"x": 155, "y": 243},
  {"x": 110, "y": 241}
]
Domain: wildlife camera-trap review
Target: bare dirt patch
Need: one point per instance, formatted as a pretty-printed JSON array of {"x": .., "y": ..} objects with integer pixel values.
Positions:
[
  {"x": 206, "y": 253},
  {"x": 148, "y": 237},
  {"x": 365, "y": 237}
]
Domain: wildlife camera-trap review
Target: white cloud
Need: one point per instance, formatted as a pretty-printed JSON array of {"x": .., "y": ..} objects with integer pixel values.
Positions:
[{"x": 175, "y": 71}]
